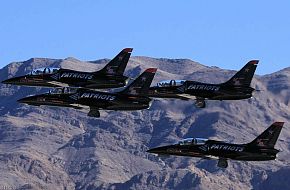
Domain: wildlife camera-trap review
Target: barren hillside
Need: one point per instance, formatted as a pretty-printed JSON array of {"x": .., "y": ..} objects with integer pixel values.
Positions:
[{"x": 62, "y": 148}]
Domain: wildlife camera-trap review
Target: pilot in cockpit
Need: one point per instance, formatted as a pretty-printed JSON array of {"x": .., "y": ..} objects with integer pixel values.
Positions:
[
  {"x": 45, "y": 70},
  {"x": 192, "y": 141},
  {"x": 169, "y": 83}
]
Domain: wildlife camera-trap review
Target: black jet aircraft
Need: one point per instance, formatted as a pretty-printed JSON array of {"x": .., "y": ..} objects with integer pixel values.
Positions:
[
  {"x": 133, "y": 97},
  {"x": 238, "y": 87},
  {"x": 111, "y": 76},
  {"x": 260, "y": 149}
]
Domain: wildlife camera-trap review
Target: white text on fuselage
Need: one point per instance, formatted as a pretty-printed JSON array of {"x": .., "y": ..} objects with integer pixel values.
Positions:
[
  {"x": 203, "y": 87},
  {"x": 77, "y": 75},
  {"x": 226, "y": 147},
  {"x": 98, "y": 96}
]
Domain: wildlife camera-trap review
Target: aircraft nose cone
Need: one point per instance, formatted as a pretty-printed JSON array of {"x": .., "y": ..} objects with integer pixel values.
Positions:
[
  {"x": 8, "y": 81},
  {"x": 22, "y": 100},
  {"x": 26, "y": 100},
  {"x": 150, "y": 151},
  {"x": 158, "y": 150}
]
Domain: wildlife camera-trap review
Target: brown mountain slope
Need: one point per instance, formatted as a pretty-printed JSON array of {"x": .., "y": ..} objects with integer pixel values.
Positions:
[{"x": 62, "y": 148}]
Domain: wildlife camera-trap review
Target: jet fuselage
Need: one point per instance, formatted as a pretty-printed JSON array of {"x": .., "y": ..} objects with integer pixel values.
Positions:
[
  {"x": 218, "y": 149},
  {"x": 90, "y": 99},
  {"x": 193, "y": 89},
  {"x": 66, "y": 78}
]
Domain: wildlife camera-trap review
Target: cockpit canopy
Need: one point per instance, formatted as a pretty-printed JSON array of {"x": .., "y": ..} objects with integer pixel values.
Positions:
[
  {"x": 65, "y": 90},
  {"x": 192, "y": 141},
  {"x": 45, "y": 70},
  {"x": 168, "y": 83}
]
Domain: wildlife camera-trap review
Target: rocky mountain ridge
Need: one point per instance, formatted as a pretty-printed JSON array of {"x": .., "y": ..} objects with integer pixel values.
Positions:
[{"x": 62, "y": 148}]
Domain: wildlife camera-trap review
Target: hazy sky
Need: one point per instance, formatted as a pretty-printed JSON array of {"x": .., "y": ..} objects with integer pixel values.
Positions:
[{"x": 223, "y": 33}]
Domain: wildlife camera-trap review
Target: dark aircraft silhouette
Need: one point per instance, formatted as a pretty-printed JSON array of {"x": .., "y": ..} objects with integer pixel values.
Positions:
[
  {"x": 111, "y": 76},
  {"x": 260, "y": 149},
  {"x": 238, "y": 87},
  {"x": 133, "y": 97}
]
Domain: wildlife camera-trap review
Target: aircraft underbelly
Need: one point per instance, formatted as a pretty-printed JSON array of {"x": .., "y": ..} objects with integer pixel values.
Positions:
[
  {"x": 92, "y": 103},
  {"x": 231, "y": 97},
  {"x": 103, "y": 85},
  {"x": 60, "y": 84},
  {"x": 187, "y": 96},
  {"x": 201, "y": 93},
  {"x": 117, "y": 104},
  {"x": 51, "y": 103},
  {"x": 131, "y": 106},
  {"x": 36, "y": 83},
  {"x": 80, "y": 106},
  {"x": 93, "y": 84},
  {"x": 255, "y": 157},
  {"x": 31, "y": 81}
]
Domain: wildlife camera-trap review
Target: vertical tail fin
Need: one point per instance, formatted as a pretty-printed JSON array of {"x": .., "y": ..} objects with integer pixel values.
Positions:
[
  {"x": 269, "y": 137},
  {"x": 140, "y": 86},
  {"x": 118, "y": 64},
  {"x": 243, "y": 77}
]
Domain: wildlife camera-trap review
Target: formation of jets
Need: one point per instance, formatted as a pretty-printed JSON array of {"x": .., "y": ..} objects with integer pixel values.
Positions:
[
  {"x": 133, "y": 97},
  {"x": 79, "y": 90}
]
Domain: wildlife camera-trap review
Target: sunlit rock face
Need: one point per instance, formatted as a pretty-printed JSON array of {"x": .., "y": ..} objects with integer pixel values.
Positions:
[{"x": 62, "y": 148}]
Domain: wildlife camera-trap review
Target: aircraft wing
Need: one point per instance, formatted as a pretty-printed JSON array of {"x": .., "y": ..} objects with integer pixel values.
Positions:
[
  {"x": 60, "y": 84},
  {"x": 186, "y": 97}
]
